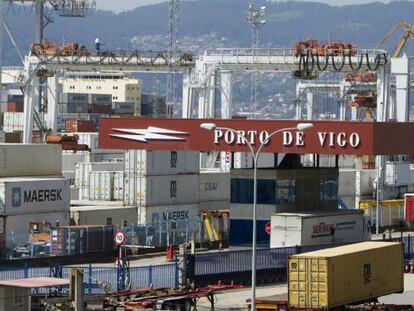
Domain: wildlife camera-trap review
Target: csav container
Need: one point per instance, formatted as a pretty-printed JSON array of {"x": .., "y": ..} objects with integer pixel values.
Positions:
[{"x": 345, "y": 275}]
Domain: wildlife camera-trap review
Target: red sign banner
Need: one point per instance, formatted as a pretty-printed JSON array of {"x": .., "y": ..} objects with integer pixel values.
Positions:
[{"x": 325, "y": 137}]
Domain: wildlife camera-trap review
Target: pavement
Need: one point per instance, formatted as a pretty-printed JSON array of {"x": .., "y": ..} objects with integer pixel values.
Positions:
[{"x": 236, "y": 299}]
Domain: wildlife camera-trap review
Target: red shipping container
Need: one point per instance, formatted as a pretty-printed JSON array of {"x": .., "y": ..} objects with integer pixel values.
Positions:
[
  {"x": 15, "y": 106},
  {"x": 74, "y": 125},
  {"x": 409, "y": 207}
]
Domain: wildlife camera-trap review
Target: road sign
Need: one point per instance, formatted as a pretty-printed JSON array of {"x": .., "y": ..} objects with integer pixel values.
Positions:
[
  {"x": 119, "y": 237},
  {"x": 268, "y": 228}
]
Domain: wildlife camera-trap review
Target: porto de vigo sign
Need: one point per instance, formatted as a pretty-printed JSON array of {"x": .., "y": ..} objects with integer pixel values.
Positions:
[{"x": 326, "y": 137}]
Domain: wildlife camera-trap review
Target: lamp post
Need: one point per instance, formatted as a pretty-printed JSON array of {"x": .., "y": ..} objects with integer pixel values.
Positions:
[{"x": 256, "y": 157}]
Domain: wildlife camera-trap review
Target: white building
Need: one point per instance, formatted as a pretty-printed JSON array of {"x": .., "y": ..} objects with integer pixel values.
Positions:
[{"x": 123, "y": 88}]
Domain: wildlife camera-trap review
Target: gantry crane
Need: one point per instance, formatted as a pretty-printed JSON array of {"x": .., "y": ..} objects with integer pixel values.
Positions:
[{"x": 409, "y": 34}]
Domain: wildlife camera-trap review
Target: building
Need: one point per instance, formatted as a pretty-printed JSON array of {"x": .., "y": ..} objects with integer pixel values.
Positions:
[{"x": 122, "y": 87}]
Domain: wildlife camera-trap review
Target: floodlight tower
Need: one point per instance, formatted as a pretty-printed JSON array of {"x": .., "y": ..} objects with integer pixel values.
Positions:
[
  {"x": 256, "y": 19},
  {"x": 172, "y": 50}
]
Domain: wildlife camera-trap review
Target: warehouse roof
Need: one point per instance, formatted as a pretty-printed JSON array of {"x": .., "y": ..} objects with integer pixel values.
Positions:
[{"x": 35, "y": 282}]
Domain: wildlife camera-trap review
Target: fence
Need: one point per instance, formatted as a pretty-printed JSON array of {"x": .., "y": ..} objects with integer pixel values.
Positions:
[
  {"x": 97, "y": 279},
  {"x": 271, "y": 264}
]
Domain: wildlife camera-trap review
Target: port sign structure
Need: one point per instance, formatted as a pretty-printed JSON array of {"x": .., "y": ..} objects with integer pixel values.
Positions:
[{"x": 326, "y": 137}]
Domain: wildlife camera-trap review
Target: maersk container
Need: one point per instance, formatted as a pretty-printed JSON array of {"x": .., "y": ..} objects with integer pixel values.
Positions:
[
  {"x": 142, "y": 162},
  {"x": 345, "y": 275},
  {"x": 36, "y": 194},
  {"x": 30, "y": 160},
  {"x": 81, "y": 98},
  {"x": 178, "y": 213},
  {"x": 214, "y": 186},
  {"x": 101, "y": 186},
  {"x": 161, "y": 190},
  {"x": 317, "y": 228}
]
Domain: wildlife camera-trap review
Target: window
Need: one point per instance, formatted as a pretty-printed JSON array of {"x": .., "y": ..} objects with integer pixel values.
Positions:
[
  {"x": 109, "y": 221},
  {"x": 328, "y": 189},
  {"x": 242, "y": 191},
  {"x": 285, "y": 191}
]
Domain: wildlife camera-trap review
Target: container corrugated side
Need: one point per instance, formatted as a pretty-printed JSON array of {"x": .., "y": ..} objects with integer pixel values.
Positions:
[
  {"x": 83, "y": 170},
  {"x": 345, "y": 275},
  {"x": 101, "y": 186},
  {"x": 161, "y": 190},
  {"x": 142, "y": 162},
  {"x": 214, "y": 186},
  {"x": 119, "y": 186},
  {"x": 30, "y": 160}
]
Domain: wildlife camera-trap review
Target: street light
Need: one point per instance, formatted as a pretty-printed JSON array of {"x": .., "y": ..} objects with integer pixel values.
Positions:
[{"x": 256, "y": 157}]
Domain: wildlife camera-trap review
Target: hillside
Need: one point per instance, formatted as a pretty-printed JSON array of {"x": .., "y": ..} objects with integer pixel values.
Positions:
[{"x": 206, "y": 24}]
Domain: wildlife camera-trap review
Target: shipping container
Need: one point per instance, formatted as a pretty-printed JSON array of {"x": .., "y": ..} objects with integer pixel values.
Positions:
[
  {"x": 14, "y": 106},
  {"x": 14, "y": 121},
  {"x": 20, "y": 195},
  {"x": 78, "y": 98},
  {"x": 83, "y": 170},
  {"x": 245, "y": 160},
  {"x": 346, "y": 182},
  {"x": 30, "y": 160},
  {"x": 119, "y": 186},
  {"x": 317, "y": 228},
  {"x": 103, "y": 214},
  {"x": 100, "y": 108},
  {"x": 15, "y": 97},
  {"x": 124, "y": 108},
  {"x": 409, "y": 207},
  {"x": 78, "y": 240},
  {"x": 101, "y": 186},
  {"x": 345, "y": 275},
  {"x": 142, "y": 162},
  {"x": 70, "y": 159},
  {"x": 13, "y": 138},
  {"x": 391, "y": 212},
  {"x": 161, "y": 190},
  {"x": 61, "y": 117},
  {"x": 168, "y": 213},
  {"x": 214, "y": 186},
  {"x": 74, "y": 125},
  {"x": 73, "y": 108},
  {"x": 101, "y": 99}
]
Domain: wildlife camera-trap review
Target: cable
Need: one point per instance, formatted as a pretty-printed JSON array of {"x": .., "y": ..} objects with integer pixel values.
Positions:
[
  {"x": 359, "y": 62},
  {"x": 325, "y": 64},
  {"x": 334, "y": 64}
]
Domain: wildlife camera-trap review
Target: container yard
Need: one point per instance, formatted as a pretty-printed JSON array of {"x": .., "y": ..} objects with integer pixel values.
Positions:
[{"x": 180, "y": 165}]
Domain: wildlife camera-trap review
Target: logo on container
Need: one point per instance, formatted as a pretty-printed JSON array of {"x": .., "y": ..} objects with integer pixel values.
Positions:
[{"x": 16, "y": 196}]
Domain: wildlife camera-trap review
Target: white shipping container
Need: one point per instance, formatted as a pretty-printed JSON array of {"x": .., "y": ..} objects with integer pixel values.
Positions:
[
  {"x": 161, "y": 190},
  {"x": 69, "y": 160},
  {"x": 305, "y": 229},
  {"x": 164, "y": 213},
  {"x": 214, "y": 186},
  {"x": 367, "y": 181},
  {"x": 83, "y": 170},
  {"x": 347, "y": 183},
  {"x": 119, "y": 186},
  {"x": 30, "y": 160},
  {"x": 142, "y": 162},
  {"x": 245, "y": 160},
  {"x": 14, "y": 121},
  {"x": 34, "y": 195},
  {"x": 101, "y": 186}
]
